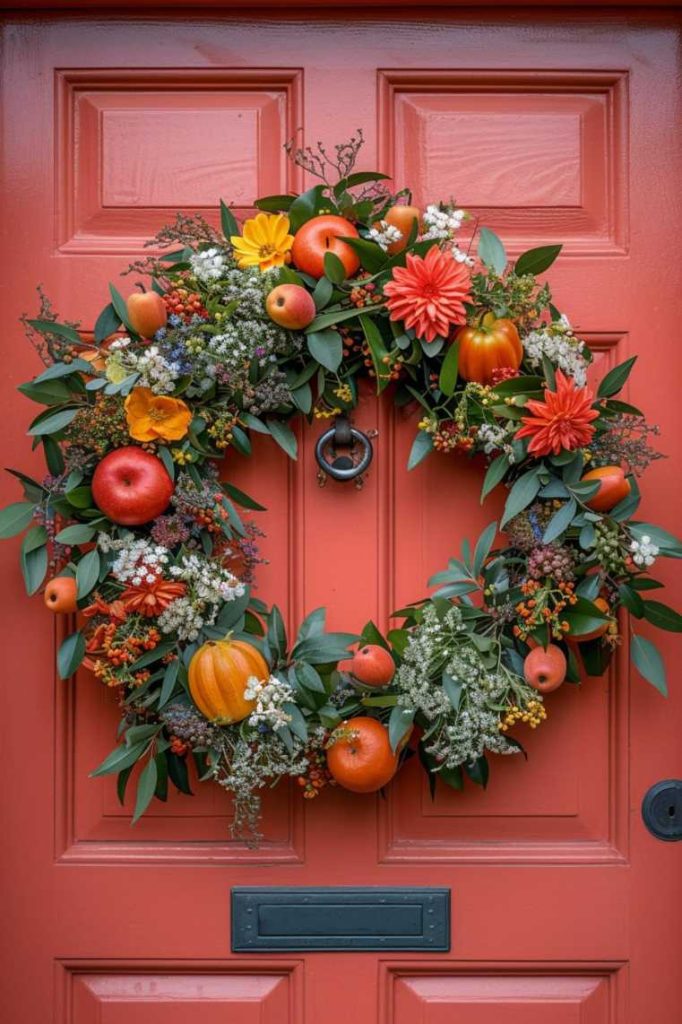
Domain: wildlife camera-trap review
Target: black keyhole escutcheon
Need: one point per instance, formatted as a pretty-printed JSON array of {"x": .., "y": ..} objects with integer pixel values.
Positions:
[{"x": 662, "y": 810}]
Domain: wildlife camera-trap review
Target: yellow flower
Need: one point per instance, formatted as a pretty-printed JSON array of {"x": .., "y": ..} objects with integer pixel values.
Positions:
[
  {"x": 265, "y": 241},
  {"x": 153, "y": 416}
]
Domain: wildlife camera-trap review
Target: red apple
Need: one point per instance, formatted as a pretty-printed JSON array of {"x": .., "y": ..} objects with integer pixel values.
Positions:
[
  {"x": 146, "y": 313},
  {"x": 131, "y": 486},
  {"x": 371, "y": 664},
  {"x": 291, "y": 306},
  {"x": 320, "y": 235}
]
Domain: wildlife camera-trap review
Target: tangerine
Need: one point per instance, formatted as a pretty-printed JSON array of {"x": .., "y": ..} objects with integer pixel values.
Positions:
[
  {"x": 613, "y": 487},
  {"x": 359, "y": 755}
]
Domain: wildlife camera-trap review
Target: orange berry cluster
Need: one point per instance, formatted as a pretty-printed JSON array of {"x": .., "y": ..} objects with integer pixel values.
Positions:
[
  {"x": 178, "y": 746},
  {"x": 365, "y": 295},
  {"x": 317, "y": 775},
  {"x": 184, "y": 303},
  {"x": 543, "y": 607},
  {"x": 533, "y": 714},
  {"x": 208, "y": 518}
]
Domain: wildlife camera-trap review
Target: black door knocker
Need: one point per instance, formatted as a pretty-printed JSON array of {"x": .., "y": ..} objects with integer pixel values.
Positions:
[{"x": 343, "y": 452}]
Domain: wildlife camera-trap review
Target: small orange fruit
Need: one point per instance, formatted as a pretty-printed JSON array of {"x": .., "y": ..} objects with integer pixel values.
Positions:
[
  {"x": 545, "y": 668},
  {"x": 60, "y": 594},
  {"x": 402, "y": 218},
  {"x": 613, "y": 487},
  {"x": 371, "y": 665},
  {"x": 359, "y": 756}
]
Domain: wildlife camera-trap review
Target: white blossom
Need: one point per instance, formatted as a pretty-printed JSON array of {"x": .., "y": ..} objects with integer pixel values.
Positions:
[
  {"x": 183, "y": 617},
  {"x": 386, "y": 234},
  {"x": 270, "y": 695},
  {"x": 442, "y": 222},
  {"x": 644, "y": 551},
  {"x": 208, "y": 581},
  {"x": 208, "y": 265},
  {"x": 138, "y": 560},
  {"x": 558, "y": 343}
]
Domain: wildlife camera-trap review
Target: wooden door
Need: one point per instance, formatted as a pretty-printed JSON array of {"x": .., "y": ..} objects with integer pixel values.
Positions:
[{"x": 552, "y": 128}]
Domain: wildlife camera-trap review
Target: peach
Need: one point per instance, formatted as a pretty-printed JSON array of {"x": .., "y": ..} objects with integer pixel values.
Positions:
[
  {"x": 290, "y": 306},
  {"x": 146, "y": 313},
  {"x": 320, "y": 235},
  {"x": 402, "y": 218}
]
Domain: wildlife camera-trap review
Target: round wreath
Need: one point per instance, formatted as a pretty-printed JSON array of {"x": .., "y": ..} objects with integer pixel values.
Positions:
[{"x": 240, "y": 332}]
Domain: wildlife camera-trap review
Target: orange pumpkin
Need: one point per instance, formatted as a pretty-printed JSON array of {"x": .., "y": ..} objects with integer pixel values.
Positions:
[
  {"x": 218, "y": 674},
  {"x": 490, "y": 345}
]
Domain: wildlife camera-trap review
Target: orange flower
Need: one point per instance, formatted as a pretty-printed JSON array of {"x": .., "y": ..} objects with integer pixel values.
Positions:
[
  {"x": 116, "y": 610},
  {"x": 153, "y": 416},
  {"x": 151, "y": 599},
  {"x": 562, "y": 422},
  {"x": 429, "y": 294}
]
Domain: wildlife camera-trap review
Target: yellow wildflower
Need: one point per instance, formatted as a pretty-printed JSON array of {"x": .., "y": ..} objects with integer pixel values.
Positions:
[{"x": 265, "y": 241}]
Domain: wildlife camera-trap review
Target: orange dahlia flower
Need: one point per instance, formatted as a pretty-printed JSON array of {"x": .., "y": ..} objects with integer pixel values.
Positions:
[
  {"x": 429, "y": 294},
  {"x": 562, "y": 422},
  {"x": 151, "y": 599},
  {"x": 151, "y": 416}
]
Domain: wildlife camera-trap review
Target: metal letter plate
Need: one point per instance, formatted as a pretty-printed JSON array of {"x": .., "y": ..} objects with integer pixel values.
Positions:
[{"x": 299, "y": 919}]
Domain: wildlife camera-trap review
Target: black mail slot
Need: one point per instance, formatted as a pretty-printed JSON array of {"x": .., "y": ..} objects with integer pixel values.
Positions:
[{"x": 297, "y": 919}]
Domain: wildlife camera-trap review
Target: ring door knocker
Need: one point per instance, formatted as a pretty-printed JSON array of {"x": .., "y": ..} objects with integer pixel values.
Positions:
[{"x": 343, "y": 452}]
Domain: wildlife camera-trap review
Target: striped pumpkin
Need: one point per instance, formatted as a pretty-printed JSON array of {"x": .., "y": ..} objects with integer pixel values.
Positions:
[{"x": 218, "y": 674}]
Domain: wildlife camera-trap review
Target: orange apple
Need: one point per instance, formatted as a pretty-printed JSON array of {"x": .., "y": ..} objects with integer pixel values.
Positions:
[
  {"x": 291, "y": 306},
  {"x": 320, "y": 235},
  {"x": 60, "y": 594},
  {"x": 146, "y": 313},
  {"x": 402, "y": 218},
  {"x": 545, "y": 668}
]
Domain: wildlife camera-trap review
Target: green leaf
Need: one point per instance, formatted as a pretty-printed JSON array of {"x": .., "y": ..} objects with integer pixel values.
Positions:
[
  {"x": 108, "y": 322},
  {"x": 326, "y": 649},
  {"x": 521, "y": 495},
  {"x": 421, "y": 447},
  {"x": 322, "y": 292},
  {"x": 358, "y": 178},
  {"x": 630, "y": 599},
  {"x": 377, "y": 350},
  {"x": 51, "y": 424},
  {"x": 70, "y": 655},
  {"x": 536, "y": 261},
  {"x": 327, "y": 348},
  {"x": 583, "y": 617},
  {"x": 122, "y": 783},
  {"x": 274, "y": 204},
  {"x": 119, "y": 759},
  {"x": 649, "y": 662},
  {"x": 491, "y": 251},
  {"x": 453, "y": 689},
  {"x": 330, "y": 318},
  {"x": 372, "y": 256},
  {"x": 447, "y": 381},
  {"x": 483, "y": 546},
  {"x": 451, "y": 777},
  {"x": 78, "y": 534},
  {"x": 616, "y": 378},
  {"x": 50, "y": 392},
  {"x": 645, "y": 583},
  {"x": 63, "y": 370},
  {"x": 399, "y": 722},
  {"x": 494, "y": 475},
  {"x": 305, "y": 206},
  {"x": 53, "y": 456},
  {"x": 33, "y": 558},
  {"x": 334, "y": 268},
  {"x": 283, "y": 436},
  {"x": 298, "y": 723},
  {"x": 312, "y": 625},
  {"x": 560, "y": 521},
  {"x": 228, "y": 223},
  {"x": 61, "y": 330},
  {"x": 170, "y": 677},
  {"x": 80, "y": 497},
  {"x": 662, "y": 616},
  {"x": 309, "y": 678},
  {"x": 15, "y": 518},
  {"x": 478, "y": 771},
  {"x": 167, "y": 460},
  {"x": 241, "y": 497},
  {"x": 87, "y": 573},
  {"x": 120, "y": 307},
  {"x": 145, "y": 788},
  {"x": 303, "y": 398},
  {"x": 277, "y": 637}
]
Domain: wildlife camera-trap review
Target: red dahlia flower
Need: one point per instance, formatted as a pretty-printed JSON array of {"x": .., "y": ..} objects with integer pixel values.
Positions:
[
  {"x": 562, "y": 422},
  {"x": 429, "y": 294}
]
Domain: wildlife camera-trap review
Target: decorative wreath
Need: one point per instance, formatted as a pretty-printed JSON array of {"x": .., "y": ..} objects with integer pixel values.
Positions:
[{"x": 240, "y": 332}]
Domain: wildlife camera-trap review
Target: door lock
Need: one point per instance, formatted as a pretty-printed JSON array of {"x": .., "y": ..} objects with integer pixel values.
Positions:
[{"x": 662, "y": 810}]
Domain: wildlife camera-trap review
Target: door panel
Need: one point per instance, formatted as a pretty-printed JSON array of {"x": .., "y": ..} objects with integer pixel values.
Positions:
[{"x": 550, "y": 128}]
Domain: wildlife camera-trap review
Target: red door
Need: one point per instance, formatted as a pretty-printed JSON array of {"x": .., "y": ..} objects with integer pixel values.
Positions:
[{"x": 564, "y": 907}]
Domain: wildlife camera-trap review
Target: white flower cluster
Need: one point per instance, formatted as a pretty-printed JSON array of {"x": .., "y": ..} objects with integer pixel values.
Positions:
[
  {"x": 183, "y": 617},
  {"x": 208, "y": 265},
  {"x": 209, "y": 581},
  {"x": 154, "y": 369},
  {"x": 558, "y": 342},
  {"x": 497, "y": 438},
  {"x": 386, "y": 234},
  {"x": 460, "y": 256},
  {"x": 644, "y": 551},
  {"x": 270, "y": 695},
  {"x": 138, "y": 560},
  {"x": 442, "y": 222},
  {"x": 459, "y": 735}
]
